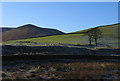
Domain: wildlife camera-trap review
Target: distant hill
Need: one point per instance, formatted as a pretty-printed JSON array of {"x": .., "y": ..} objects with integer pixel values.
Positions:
[
  {"x": 27, "y": 31},
  {"x": 2, "y": 29}
]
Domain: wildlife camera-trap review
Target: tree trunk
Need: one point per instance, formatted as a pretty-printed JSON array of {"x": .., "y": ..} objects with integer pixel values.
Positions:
[
  {"x": 90, "y": 42},
  {"x": 95, "y": 42}
]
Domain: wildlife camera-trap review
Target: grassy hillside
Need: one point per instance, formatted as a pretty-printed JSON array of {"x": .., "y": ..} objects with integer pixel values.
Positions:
[
  {"x": 68, "y": 38},
  {"x": 109, "y": 32},
  {"x": 110, "y": 28},
  {"x": 110, "y": 37}
]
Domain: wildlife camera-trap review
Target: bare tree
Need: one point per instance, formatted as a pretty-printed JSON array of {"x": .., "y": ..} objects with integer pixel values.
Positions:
[
  {"x": 90, "y": 35},
  {"x": 94, "y": 35}
]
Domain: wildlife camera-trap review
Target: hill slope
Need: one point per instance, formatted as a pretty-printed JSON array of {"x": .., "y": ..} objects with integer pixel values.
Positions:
[
  {"x": 110, "y": 34},
  {"x": 28, "y": 31},
  {"x": 110, "y": 37},
  {"x": 2, "y": 29}
]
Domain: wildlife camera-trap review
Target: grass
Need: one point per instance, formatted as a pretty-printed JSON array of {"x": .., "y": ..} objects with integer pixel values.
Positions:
[
  {"x": 69, "y": 39},
  {"x": 109, "y": 33},
  {"x": 76, "y": 70},
  {"x": 111, "y": 29}
]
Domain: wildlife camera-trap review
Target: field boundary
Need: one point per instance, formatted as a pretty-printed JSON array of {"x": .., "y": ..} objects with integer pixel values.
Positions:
[{"x": 43, "y": 57}]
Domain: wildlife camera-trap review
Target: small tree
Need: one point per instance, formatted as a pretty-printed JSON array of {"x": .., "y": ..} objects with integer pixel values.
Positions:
[
  {"x": 94, "y": 35},
  {"x": 90, "y": 35},
  {"x": 97, "y": 34}
]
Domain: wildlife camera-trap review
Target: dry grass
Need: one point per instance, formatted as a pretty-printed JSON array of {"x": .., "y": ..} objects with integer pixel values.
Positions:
[{"x": 85, "y": 71}]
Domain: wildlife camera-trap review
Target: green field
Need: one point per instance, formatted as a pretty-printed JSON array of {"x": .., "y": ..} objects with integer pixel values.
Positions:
[{"x": 70, "y": 39}]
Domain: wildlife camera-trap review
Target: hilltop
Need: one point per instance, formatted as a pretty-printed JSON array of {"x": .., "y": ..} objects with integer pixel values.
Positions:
[{"x": 28, "y": 31}]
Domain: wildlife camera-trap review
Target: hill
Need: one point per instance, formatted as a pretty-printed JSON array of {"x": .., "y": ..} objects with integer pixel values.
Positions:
[
  {"x": 110, "y": 34},
  {"x": 28, "y": 31},
  {"x": 109, "y": 39},
  {"x": 2, "y": 29}
]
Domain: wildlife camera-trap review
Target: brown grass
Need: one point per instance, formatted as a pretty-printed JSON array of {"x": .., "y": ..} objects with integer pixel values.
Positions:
[{"x": 85, "y": 71}]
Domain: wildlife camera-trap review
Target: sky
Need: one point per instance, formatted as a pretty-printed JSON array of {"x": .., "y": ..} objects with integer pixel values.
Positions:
[{"x": 64, "y": 16}]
